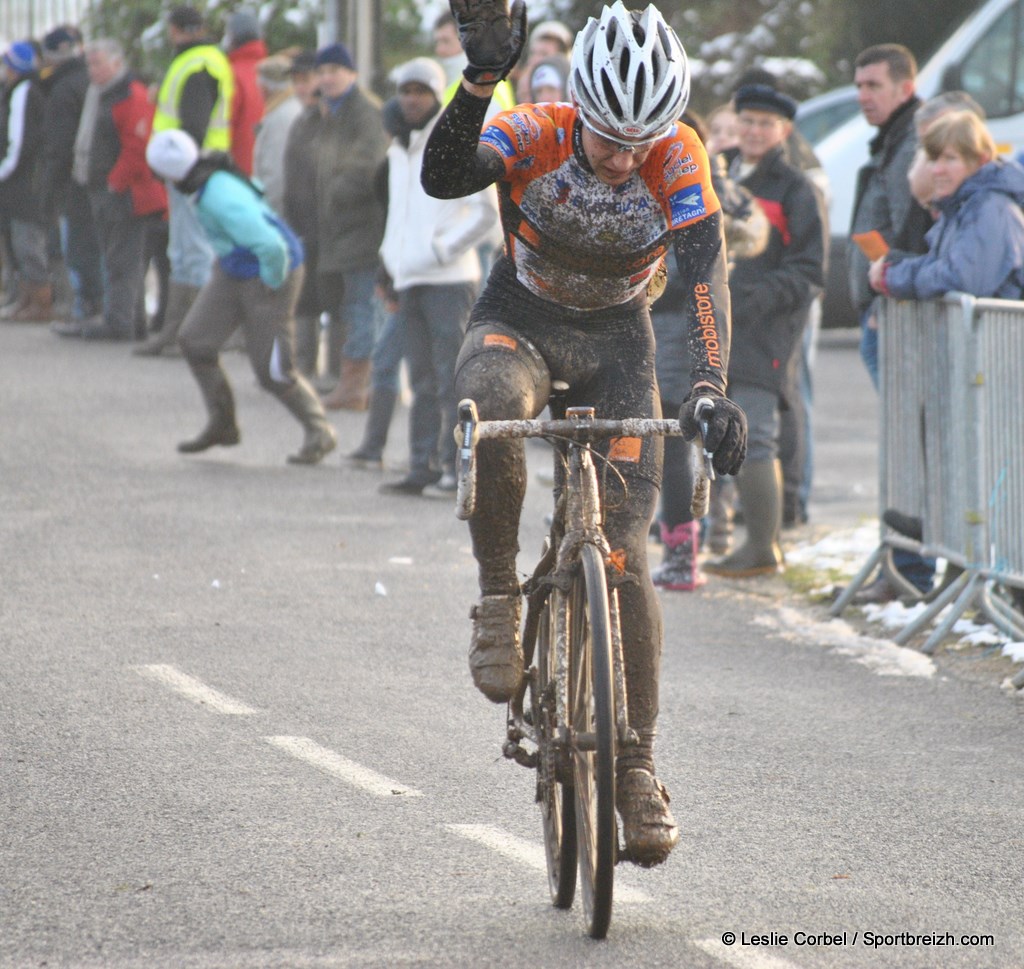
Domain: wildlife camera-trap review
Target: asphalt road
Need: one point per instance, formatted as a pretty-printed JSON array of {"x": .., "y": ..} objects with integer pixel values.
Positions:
[{"x": 237, "y": 728}]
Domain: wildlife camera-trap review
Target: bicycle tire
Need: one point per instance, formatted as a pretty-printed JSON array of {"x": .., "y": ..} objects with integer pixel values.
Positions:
[
  {"x": 592, "y": 721},
  {"x": 556, "y": 798}
]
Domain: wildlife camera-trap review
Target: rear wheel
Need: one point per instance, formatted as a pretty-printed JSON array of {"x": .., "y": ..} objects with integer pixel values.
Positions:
[
  {"x": 556, "y": 798},
  {"x": 592, "y": 723}
]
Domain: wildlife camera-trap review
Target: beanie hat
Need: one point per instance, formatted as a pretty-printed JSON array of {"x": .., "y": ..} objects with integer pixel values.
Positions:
[
  {"x": 21, "y": 57},
  {"x": 241, "y": 27},
  {"x": 421, "y": 70},
  {"x": 551, "y": 72},
  {"x": 761, "y": 97},
  {"x": 171, "y": 154},
  {"x": 335, "y": 54},
  {"x": 275, "y": 71},
  {"x": 186, "y": 18},
  {"x": 304, "y": 62},
  {"x": 63, "y": 36}
]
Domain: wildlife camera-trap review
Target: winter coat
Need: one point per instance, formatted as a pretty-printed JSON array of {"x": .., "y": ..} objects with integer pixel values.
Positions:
[
  {"x": 746, "y": 235},
  {"x": 882, "y": 201},
  {"x": 21, "y": 141},
  {"x": 65, "y": 93},
  {"x": 349, "y": 148},
  {"x": 271, "y": 140},
  {"x": 771, "y": 292},
  {"x": 117, "y": 154},
  {"x": 429, "y": 241},
  {"x": 977, "y": 245},
  {"x": 248, "y": 238},
  {"x": 300, "y": 173},
  {"x": 247, "y": 106}
]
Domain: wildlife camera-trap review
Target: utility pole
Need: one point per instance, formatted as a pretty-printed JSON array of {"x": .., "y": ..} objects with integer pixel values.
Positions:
[{"x": 356, "y": 23}]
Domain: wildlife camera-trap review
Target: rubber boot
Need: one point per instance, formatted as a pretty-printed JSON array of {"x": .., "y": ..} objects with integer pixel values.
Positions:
[
  {"x": 304, "y": 405},
  {"x": 370, "y": 453},
  {"x": 679, "y": 570},
  {"x": 720, "y": 515},
  {"x": 38, "y": 307},
  {"x": 307, "y": 345},
  {"x": 353, "y": 389},
  {"x": 180, "y": 298},
  {"x": 759, "y": 484},
  {"x": 220, "y": 404}
]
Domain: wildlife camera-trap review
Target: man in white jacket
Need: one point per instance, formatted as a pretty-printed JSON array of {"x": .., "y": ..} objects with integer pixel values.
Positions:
[{"x": 429, "y": 253}]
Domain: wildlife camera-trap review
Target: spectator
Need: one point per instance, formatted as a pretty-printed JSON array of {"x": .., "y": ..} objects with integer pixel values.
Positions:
[
  {"x": 245, "y": 50},
  {"x": 746, "y": 235},
  {"x": 282, "y": 107},
  {"x": 110, "y": 160},
  {"x": 449, "y": 54},
  {"x": 550, "y": 38},
  {"x": 22, "y": 107},
  {"x": 549, "y": 80},
  {"x": 254, "y": 284},
  {"x": 195, "y": 97},
  {"x": 435, "y": 273},
  {"x": 300, "y": 211},
  {"x": 919, "y": 175},
  {"x": 977, "y": 244},
  {"x": 66, "y": 200},
  {"x": 348, "y": 150},
  {"x": 885, "y": 76},
  {"x": 722, "y": 134},
  {"x": 771, "y": 294}
]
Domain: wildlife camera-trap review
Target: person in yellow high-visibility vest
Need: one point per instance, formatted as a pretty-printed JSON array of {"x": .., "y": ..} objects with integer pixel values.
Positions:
[{"x": 195, "y": 96}]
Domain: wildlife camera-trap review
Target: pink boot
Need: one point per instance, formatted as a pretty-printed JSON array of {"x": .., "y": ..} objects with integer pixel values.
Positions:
[{"x": 679, "y": 570}]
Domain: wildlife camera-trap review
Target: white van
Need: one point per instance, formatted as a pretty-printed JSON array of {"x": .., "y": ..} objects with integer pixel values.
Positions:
[{"x": 984, "y": 57}]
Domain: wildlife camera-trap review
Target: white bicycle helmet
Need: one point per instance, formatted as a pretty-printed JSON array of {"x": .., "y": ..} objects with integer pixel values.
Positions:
[{"x": 629, "y": 72}]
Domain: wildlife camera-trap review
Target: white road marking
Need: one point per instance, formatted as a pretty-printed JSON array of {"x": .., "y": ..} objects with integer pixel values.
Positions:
[
  {"x": 741, "y": 958},
  {"x": 348, "y": 770},
  {"x": 194, "y": 690},
  {"x": 528, "y": 853}
]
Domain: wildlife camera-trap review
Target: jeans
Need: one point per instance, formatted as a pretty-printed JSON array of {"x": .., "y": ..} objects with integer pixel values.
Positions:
[
  {"x": 869, "y": 345},
  {"x": 189, "y": 251},
  {"x": 388, "y": 351},
  {"x": 356, "y": 312}
]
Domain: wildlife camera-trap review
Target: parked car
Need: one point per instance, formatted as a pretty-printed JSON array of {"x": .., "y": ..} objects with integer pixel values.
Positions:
[
  {"x": 821, "y": 115},
  {"x": 982, "y": 57}
]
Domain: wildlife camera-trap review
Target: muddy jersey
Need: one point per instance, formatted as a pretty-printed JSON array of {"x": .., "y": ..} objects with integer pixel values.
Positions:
[{"x": 575, "y": 240}]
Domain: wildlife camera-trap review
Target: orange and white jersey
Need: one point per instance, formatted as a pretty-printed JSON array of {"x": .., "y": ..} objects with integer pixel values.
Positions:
[{"x": 575, "y": 240}]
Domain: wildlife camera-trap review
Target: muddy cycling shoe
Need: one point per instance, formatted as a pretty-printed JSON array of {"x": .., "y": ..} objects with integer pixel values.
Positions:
[
  {"x": 648, "y": 827},
  {"x": 495, "y": 655}
]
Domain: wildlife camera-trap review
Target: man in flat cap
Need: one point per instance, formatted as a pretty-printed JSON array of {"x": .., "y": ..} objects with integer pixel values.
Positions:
[{"x": 771, "y": 294}]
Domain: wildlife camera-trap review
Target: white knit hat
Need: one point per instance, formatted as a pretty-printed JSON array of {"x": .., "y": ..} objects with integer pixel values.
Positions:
[
  {"x": 421, "y": 70},
  {"x": 171, "y": 154}
]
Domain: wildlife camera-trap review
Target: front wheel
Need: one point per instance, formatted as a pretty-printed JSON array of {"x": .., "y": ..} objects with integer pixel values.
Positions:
[{"x": 592, "y": 722}]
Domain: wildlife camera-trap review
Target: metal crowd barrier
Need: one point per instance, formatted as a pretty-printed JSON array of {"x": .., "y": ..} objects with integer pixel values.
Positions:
[{"x": 951, "y": 376}]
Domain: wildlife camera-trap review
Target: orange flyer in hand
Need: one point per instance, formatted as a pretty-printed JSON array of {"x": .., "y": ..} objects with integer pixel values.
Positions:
[{"x": 871, "y": 244}]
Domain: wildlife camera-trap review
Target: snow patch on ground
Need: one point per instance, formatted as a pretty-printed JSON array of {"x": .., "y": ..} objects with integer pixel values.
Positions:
[{"x": 881, "y": 656}]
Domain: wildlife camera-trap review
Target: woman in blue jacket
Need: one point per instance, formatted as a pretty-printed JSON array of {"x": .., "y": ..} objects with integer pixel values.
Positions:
[
  {"x": 255, "y": 283},
  {"x": 977, "y": 244}
]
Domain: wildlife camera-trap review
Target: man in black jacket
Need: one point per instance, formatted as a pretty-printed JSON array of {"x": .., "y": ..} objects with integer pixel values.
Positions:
[
  {"x": 64, "y": 80},
  {"x": 771, "y": 294}
]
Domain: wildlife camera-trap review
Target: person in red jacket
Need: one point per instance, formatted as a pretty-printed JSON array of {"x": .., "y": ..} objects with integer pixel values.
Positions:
[
  {"x": 244, "y": 50},
  {"x": 124, "y": 194}
]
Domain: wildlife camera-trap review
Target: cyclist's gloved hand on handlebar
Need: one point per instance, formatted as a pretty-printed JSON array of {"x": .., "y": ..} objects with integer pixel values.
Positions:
[
  {"x": 492, "y": 35},
  {"x": 726, "y": 436}
]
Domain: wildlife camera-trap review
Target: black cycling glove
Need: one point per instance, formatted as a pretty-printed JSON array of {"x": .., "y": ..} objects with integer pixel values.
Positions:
[
  {"x": 492, "y": 35},
  {"x": 726, "y": 436}
]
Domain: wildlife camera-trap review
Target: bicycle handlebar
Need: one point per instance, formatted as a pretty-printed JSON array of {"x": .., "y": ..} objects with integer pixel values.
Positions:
[{"x": 581, "y": 425}]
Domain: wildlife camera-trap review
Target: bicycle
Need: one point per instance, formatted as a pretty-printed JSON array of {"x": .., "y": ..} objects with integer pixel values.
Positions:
[{"x": 570, "y": 714}]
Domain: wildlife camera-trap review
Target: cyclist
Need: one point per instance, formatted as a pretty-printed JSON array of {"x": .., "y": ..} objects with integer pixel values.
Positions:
[{"x": 592, "y": 194}]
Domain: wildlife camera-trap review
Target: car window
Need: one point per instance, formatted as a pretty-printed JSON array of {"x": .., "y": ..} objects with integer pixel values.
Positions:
[
  {"x": 993, "y": 71},
  {"x": 816, "y": 124}
]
